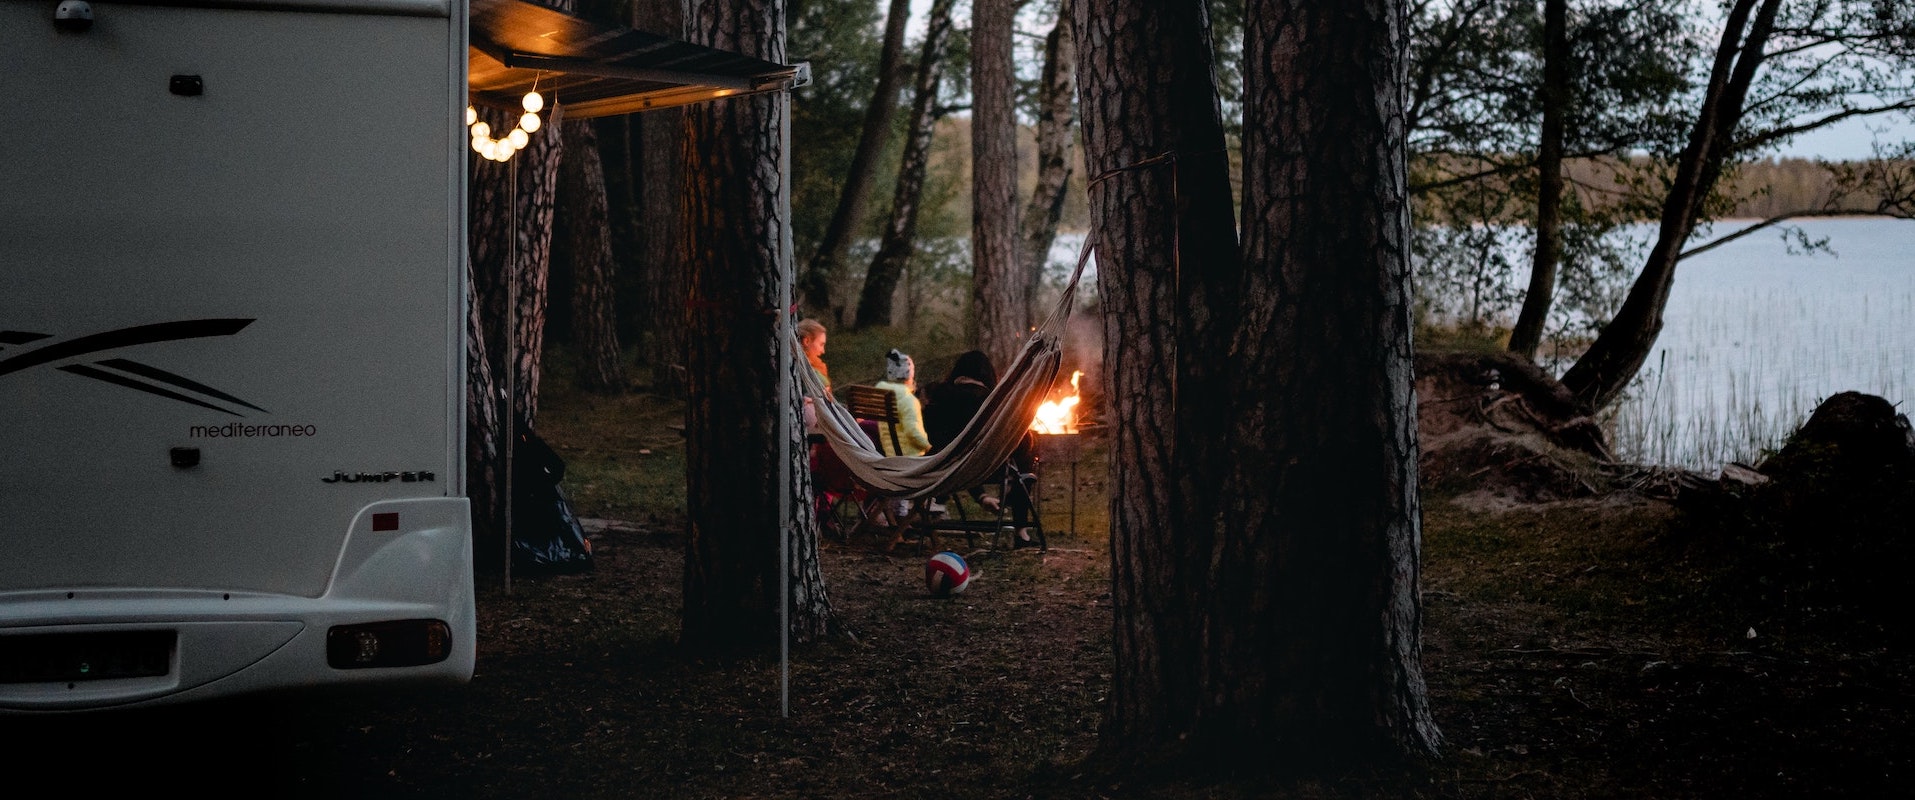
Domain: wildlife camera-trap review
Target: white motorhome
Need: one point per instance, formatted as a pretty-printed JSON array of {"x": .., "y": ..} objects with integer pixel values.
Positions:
[{"x": 232, "y": 331}]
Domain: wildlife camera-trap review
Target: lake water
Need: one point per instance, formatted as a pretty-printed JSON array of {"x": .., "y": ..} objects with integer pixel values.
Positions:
[{"x": 1755, "y": 337}]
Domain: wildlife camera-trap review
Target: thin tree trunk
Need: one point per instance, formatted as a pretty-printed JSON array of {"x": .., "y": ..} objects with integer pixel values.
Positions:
[
  {"x": 660, "y": 144},
  {"x": 900, "y": 232},
  {"x": 998, "y": 288},
  {"x": 617, "y": 137},
  {"x": 1601, "y": 374},
  {"x": 588, "y": 229},
  {"x": 826, "y": 271},
  {"x": 1528, "y": 333},
  {"x": 1314, "y": 618},
  {"x": 1168, "y": 264},
  {"x": 741, "y": 434},
  {"x": 1056, "y": 103}
]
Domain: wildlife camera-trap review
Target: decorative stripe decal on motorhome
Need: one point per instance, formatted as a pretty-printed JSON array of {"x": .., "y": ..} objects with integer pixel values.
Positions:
[
  {"x": 20, "y": 337},
  {"x": 125, "y": 372}
]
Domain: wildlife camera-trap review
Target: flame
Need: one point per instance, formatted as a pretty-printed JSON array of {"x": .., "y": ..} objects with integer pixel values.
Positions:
[{"x": 1060, "y": 415}]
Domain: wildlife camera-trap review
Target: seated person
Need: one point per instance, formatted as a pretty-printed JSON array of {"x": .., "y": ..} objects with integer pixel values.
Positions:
[
  {"x": 949, "y": 406},
  {"x": 900, "y": 379},
  {"x": 908, "y": 438}
]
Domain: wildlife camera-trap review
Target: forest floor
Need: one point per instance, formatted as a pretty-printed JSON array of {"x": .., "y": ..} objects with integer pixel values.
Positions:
[{"x": 1602, "y": 646}]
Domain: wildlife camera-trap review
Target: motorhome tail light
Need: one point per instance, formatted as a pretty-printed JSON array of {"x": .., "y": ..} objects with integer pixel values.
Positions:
[{"x": 397, "y": 643}]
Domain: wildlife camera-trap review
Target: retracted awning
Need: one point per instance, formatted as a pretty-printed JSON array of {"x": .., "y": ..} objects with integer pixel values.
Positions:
[{"x": 598, "y": 70}]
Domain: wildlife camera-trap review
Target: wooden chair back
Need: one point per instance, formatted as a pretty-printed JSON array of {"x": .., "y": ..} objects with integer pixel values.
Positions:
[{"x": 874, "y": 404}]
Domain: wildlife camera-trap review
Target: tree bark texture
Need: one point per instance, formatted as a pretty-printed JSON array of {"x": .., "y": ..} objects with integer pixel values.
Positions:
[
  {"x": 1603, "y": 371},
  {"x": 617, "y": 137},
  {"x": 1057, "y": 95},
  {"x": 510, "y": 239},
  {"x": 511, "y": 264},
  {"x": 1530, "y": 321},
  {"x": 737, "y": 242},
  {"x": 999, "y": 303},
  {"x": 588, "y": 228},
  {"x": 900, "y": 231},
  {"x": 1314, "y": 619},
  {"x": 660, "y": 144},
  {"x": 1168, "y": 265},
  {"x": 663, "y": 136},
  {"x": 827, "y": 269},
  {"x": 484, "y": 440}
]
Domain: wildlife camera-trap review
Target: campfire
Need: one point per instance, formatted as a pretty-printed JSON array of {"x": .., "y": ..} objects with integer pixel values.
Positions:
[{"x": 1059, "y": 416}]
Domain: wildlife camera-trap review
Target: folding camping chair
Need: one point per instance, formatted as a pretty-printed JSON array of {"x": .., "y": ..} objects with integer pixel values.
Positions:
[
  {"x": 858, "y": 509},
  {"x": 995, "y": 524}
]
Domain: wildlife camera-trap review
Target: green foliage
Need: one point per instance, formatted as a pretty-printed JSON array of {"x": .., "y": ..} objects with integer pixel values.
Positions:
[
  {"x": 1476, "y": 112},
  {"x": 841, "y": 39}
]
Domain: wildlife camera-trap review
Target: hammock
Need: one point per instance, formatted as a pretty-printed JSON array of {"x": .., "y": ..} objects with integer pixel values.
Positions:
[{"x": 987, "y": 441}]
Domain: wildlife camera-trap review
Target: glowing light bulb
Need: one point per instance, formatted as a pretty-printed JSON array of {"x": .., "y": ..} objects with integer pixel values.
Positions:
[
  {"x": 533, "y": 102},
  {"x": 530, "y": 122},
  {"x": 471, "y": 116},
  {"x": 481, "y": 129},
  {"x": 483, "y": 147},
  {"x": 518, "y": 138}
]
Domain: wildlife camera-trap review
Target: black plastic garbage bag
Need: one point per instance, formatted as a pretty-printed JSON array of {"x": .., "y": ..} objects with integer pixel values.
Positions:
[{"x": 546, "y": 535}]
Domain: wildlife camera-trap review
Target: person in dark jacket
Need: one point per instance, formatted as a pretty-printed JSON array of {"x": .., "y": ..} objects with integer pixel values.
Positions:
[{"x": 949, "y": 406}]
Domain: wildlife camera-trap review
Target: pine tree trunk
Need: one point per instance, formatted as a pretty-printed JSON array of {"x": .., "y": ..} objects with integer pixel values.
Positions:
[
  {"x": 616, "y": 138},
  {"x": 741, "y": 433},
  {"x": 1167, "y": 266},
  {"x": 1314, "y": 617},
  {"x": 510, "y": 239},
  {"x": 1057, "y": 89},
  {"x": 1528, "y": 333},
  {"x": 659, "y": 148},
  {"x": 588, "y": 229},
  {"x": 511, "y": 264},
  {"x": 999, "y": 303},
  {"x": 484, "y": 443},
  {"x": 1603, "y": 371},
  {"x": 826, "y": 271},
  {"x": 900, "y": 232}
]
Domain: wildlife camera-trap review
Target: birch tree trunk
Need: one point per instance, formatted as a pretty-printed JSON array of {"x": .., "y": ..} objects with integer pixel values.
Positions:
[
  {"x": 826, "y": 271},
  {"x": 1057, "y": 95},
  {"x": 900, "y": 232}
]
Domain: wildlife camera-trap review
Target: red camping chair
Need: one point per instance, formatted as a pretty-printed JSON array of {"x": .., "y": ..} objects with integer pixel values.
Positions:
[{"x": 843, "y": 506}]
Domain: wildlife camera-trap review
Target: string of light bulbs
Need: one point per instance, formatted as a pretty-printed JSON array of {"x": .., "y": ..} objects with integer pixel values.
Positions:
[{"x": 505, "y": 147}]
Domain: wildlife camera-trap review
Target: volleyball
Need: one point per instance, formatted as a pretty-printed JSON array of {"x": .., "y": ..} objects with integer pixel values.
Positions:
[{"x": 946, "y": 574}]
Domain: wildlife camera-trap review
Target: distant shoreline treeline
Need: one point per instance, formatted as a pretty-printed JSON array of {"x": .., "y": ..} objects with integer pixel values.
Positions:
[{"x": 1761, "y": 189}]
